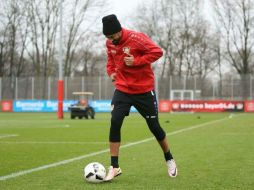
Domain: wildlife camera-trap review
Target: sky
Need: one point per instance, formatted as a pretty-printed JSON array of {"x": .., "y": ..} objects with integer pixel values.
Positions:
[{"x": 123, "y": 8}]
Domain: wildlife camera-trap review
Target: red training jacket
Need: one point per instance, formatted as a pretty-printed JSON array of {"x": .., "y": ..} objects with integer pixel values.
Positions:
[{"x": 139, "y": 78}]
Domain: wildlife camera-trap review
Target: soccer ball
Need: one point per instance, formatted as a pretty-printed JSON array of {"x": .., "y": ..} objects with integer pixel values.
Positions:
[{"x": 94, "y": 172}]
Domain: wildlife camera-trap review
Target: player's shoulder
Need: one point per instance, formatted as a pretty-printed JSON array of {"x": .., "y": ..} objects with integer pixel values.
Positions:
[{"x": 137, "y": 36}]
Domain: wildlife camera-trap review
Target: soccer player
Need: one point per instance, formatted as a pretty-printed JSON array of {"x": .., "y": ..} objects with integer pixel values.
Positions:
[{"x": 129, "y": 58}]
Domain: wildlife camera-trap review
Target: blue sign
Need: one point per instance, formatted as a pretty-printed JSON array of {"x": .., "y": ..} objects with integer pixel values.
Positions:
[
  {"x": 101, "y": 105},
  {"x": 39, "y": 105},
  {"x": 51, "y": 105}
]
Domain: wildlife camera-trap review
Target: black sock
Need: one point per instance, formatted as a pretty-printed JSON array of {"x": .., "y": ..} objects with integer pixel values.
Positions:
[
  {"x": 168, "y": 156},
  {"x": 114, "y": 161}
]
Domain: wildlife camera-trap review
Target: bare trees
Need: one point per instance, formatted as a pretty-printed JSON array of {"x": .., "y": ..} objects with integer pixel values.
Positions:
[
  {"x": 236, "y": 21},
  {"x": 3, "y": 52},
  {"x": 42, "y": 17},
  {"x": 179, "y": 28},
  {"x": 237, "y": 25},
  {"x": 13, "y": 35},
  {"x": 80, "y": 35},
  {"x": 29, "y": 34},
  {"x": 13, "y": 40},
  {"x": 191, "y": 46},
  {"x": 181, "y": 31}
]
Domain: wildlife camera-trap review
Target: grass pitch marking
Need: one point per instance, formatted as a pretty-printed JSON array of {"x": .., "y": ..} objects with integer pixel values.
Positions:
[
  {"x": 50, "y": 142},
  {"x": 8, "y": 135},
  {"x": 63, "y": 162}
]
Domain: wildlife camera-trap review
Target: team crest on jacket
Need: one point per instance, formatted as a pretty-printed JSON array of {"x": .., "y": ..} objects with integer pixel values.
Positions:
[
  {"x": 113, "y": 51},
  {"x": 126, "y": 50}
]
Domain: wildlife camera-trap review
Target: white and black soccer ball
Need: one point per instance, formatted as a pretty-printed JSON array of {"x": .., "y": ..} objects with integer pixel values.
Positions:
[{"x": 94, "y": 172}]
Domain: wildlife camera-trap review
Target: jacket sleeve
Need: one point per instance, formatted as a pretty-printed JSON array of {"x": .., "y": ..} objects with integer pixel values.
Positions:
[
  {"x": 110, "y": 63},
  {"x": 150, "y": 52}
]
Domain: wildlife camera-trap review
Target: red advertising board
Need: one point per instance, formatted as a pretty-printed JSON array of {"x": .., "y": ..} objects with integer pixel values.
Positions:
[
  {"x": 6, "y": 105},
  {"x": 249, "y": 106},
  {"x": 165, "y": 106},
  {"x": 201, "y": 106}
]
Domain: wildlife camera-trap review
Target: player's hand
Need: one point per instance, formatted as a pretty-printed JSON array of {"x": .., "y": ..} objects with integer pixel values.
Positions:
[
  {"x": 113, "y": 77},
  {"x": 129, "y": 60}
]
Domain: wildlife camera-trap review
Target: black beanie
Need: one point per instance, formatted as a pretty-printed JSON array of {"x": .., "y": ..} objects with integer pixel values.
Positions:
[{"x": 111, "y": 25}]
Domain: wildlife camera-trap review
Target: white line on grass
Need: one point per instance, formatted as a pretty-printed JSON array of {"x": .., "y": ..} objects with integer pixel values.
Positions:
[
  {"x": 20, "y": 173},
  {"x": 49, "y": 142},
  {"x": 8, "y": 135}
]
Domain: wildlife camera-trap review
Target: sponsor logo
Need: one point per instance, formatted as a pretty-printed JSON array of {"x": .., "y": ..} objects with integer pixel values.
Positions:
[
  {"x": 249, "y": 106},
  {"x": 113, "y": 51},
  {"x": 6, "y": 105},
  {"x": 126, "y": 50}
]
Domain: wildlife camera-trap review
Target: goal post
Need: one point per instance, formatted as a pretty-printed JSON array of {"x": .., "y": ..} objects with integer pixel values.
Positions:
[
  {"x": 60, "y": 99},
  {"x": 182, "y": 95},
  {"x": 176, "y": 96},
  {"x": 60, "y": 84}
]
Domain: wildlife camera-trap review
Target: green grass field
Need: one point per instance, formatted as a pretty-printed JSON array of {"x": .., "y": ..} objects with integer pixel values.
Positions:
[{"x": 212, "y": 151}]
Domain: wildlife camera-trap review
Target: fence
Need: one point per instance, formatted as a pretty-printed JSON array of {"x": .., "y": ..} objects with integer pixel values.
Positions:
[{"x": 172, "y": 87}]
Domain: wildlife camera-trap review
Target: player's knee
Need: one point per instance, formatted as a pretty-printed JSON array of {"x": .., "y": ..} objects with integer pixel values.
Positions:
[
  {"x": 156, "y": 129},
  {"x": 114, "y": 134},
  {"x": 159, "y": 134}
]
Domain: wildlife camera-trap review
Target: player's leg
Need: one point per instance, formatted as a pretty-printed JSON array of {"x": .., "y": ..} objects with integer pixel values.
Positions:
[
  {"x": 172, "y": 169},
  {"x": 120, "y": 108},
  {"x": 146, "y": 104}
]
